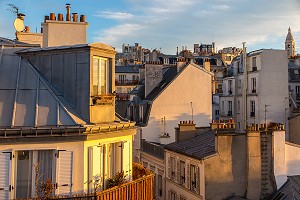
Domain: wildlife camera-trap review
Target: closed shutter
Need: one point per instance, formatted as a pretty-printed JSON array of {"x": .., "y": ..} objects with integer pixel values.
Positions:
[
  {"x": 96, "y": 168},
  {"x": 178, "y": 171},
  {"x": 65, "y": 172},
  {"x": 4, "y": 175},
  {"x": 188, "y": 177},
  {"x": 197, "y": 180},
  {"x": 126, "y": 158},
  {"x": 169, "y": 167}
]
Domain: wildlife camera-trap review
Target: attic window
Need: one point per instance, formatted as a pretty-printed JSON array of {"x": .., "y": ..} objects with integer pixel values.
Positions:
[{"x": 99, "y": 75}]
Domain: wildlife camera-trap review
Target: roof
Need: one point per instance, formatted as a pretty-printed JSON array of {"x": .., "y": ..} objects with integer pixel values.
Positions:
[
  {"x": 26, "y": 98},
  {"x": 10, "y": 42},
  {"x": 199, "y": 147},
  {"x": 127, "y": 69},
  {"x": 169, "y": 75},
  {"x": 289, "y": 190}
]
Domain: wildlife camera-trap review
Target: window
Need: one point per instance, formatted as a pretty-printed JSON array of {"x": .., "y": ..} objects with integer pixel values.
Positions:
[
  {"x": 194, "y": 175},
  {"x": 182, "y": 198},
  {"x": 122, "y": 78},
  {"x": 173, "y": 167},
  {"x": 216, "y": 112},
  {"x": 230, "y": 86},
  {"x": 254, "y": 67},
  {"x": 99, "y": 76},
  {"x": 229, "y": 108},
  {"x": 220, "y": 88},
  {"x": 159, "y": 185},
  {"x": 253, "y": 85},
  {"x": 297, "y": 89},
  {"x": 252, "y": 104},
  {"x": 173, "y": 195},
  {"x": 238, "y": 106},
  {"x": 182, "y": 172}
]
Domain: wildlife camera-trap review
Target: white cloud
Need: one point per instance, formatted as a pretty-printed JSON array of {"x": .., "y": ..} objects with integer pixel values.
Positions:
[
  {"x": 172, "y": 23},
  {"x": 114, "y": 15}
]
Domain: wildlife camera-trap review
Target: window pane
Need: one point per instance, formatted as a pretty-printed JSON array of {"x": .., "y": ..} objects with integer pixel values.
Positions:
[
  {"x": 103, "y": 77},
  {"x": 95, "y": 75},
  {"x": 24, "y": 177}
]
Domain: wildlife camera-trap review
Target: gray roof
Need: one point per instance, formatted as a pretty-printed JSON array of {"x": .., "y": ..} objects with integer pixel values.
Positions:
[
  {"x": 199, "y": 147},
  {"x": 26, "y": 98},
  {"x": 10, "y": 42},
  {"x": 289, "y": 190},
  {"x": 128, "y": 69}
]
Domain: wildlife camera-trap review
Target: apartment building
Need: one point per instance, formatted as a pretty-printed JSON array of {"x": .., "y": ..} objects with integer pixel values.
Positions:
[{"x": 260, "y": 95}]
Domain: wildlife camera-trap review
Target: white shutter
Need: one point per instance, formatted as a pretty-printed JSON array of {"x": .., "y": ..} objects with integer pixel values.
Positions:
[
  {"x": 4, "y": 175},
  {"x": 126, "y": 158},
  {"x": 96, "y": 167},
  {"x": 65, "y": 170}
]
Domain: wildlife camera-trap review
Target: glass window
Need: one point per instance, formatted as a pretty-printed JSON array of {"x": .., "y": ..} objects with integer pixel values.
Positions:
[
  {"x": 253, "y": 85},
  {"x": 159, "y": 184},
  {"x": 182, "y": 172},
  {"x": 99, "y": 76},
  {"x": 254, "y": 62},
  {"x": 252, "y": 104}
]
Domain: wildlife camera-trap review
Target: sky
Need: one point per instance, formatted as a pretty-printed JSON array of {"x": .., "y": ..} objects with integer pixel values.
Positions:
[{"x": 167, "y": 24}]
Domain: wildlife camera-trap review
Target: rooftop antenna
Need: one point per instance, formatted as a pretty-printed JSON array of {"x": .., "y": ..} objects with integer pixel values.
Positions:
[
  {"x": 19, "y": 21},
  {"x": 13, "y": 9}
]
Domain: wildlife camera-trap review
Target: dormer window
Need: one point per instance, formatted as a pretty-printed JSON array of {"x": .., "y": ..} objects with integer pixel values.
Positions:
[{"x": 99, "y": 76}]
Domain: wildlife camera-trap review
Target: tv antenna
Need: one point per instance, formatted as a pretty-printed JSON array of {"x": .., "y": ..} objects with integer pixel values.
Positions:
[
  {"x": 19, "y": 21},
  {"x": 13, "y": 9}
]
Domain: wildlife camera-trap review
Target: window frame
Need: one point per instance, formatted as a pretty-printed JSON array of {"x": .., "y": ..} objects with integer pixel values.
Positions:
[{"x": 98, "y": 87}]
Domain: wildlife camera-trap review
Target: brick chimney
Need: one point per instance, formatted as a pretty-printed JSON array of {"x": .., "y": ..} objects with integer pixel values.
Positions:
[
  {"x": 186, "y": 130},
  {"x": 61, "y": 33}
]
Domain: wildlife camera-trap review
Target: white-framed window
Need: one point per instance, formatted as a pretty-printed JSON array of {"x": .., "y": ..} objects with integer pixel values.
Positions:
[
  {"x": 230, "y": 86},
  {"x": 173, "y": 167},
  {"x": 159, "y": 185},
  {"x": 229, "y": 108},
  {"x": 238, "y": 105},
  {"x": 100, "y": 75},
  {"x": 253, "y": 85},
  {"x": 254, "y": 66},
  {"x": 252, "y": 108},
  {"x": 194, "y": 178},
  {"x": 297, "y": 89}
]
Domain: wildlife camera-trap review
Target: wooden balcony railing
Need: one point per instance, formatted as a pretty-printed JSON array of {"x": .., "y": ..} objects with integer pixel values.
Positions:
[
  {"x": 141, "y": 188},
  {"x": 108, "y": 99}
]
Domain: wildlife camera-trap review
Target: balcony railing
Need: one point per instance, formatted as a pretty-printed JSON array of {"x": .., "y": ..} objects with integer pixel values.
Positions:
[
  {"x": 127, "y": 82},
  {"x": 122, "y": 96}
]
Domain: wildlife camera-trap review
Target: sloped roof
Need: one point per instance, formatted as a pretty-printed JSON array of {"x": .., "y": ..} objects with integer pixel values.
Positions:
[
  {"x": 127, "y": 69},
  {"x": 10, "y": 42},
  {"x": 26, "y": 99},
  {"x": 199, "y": 147},
  {"x": 290, "y": 190}
]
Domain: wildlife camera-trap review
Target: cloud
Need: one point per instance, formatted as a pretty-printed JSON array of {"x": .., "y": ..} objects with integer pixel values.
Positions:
[
  {"x": 114, "y": 15},
  {"x": 172, "y": 23}
]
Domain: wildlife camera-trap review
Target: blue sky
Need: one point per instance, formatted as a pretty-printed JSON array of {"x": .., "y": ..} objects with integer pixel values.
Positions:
[{"x": 167, "y": 24}]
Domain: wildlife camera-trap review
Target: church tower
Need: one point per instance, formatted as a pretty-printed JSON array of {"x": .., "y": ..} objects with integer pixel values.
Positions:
[{"x": 290, "y": 44}]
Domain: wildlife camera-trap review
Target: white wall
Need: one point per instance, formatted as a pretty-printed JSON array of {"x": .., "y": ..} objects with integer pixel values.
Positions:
[{"x": 174, "y": 104}]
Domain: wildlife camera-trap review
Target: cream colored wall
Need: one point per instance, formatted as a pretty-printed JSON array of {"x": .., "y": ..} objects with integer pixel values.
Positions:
[
  {"x": 179, "y": 189},
  {"x": 225, "y": 173},
  {"x": 174, "y": 103},
  {"x": 294, "y": 129},
  {"x": 75, "y": 147},
  {"x": 292, "y": 153},
  {"x": 60, "y": 33},
  {"x": 281, "y": 150},
  {"x": 30, "y": 38}
]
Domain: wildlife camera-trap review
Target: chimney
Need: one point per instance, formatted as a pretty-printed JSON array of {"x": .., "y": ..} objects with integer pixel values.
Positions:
[
  {"x": 27, "y": 29},
  {"x": 46, "y": 18},
  {"x": 52, "y": 16},
  {"x": 82, "y": 18},
  {"x": 185, "y": 131},
  {"x": 75, "y": 17},
  {"x": 180, "y": 63},
  {"x": 60, "y": 17},
  {"x": 206, "y": 64},
  {"x": 68, "y": 16}
]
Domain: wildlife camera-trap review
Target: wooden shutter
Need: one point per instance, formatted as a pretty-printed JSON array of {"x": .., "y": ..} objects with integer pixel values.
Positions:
[
  {"x": 126, "y": 165},
  {"x": 178, "y": 171},
  {"x": 65, "y": 172},
  {"x": 169, "y": 168},
  {"x": 197, "y": 180},
  {"x": 5, "y": 160},
  {"x": 188, "y": 177}
]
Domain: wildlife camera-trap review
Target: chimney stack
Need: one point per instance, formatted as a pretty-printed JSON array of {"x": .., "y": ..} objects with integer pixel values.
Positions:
[
  {"x": 52, "y": 16},
  {"x": 60, "y": 17},
  {"x": 82, "y": 18},
  {"x": 68, "y": 16},
  {"x": 206, "y": 64},
  {"x": 186, "y": 130},
  {"x": 75, "y": 17},
  {"x": 27, "y": 29}
]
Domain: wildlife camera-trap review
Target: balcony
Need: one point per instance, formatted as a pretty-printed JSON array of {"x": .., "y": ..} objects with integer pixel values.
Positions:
[
  {"x": 254, "y": 69},
  {"x": 103, "y": 99},
  {"x": 252, "y": 114},
  {"x": 253, "y": 91},
  {"x": 229, "y": 113},
  {"x": 122, "y": 96},
  {"x": 126, "y": 82}
]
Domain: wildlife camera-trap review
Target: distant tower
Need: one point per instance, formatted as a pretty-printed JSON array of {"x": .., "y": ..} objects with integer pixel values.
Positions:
[{"x": 290, "y": 44}]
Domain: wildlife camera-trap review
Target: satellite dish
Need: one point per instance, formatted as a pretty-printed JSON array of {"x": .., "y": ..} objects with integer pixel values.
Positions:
[{"x": 19, "y": 25}]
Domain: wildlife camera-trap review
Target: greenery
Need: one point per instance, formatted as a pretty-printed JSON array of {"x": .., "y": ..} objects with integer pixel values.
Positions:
[
  {"x": 117, "y": 180},
  {"x": 138, "y": 171}
]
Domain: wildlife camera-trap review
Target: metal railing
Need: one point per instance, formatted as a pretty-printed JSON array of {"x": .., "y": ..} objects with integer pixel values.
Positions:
[{"x": 127, "y": 82}]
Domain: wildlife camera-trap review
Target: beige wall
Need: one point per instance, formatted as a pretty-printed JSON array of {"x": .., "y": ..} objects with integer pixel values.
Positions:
[
  {"x": 60, "y": 33},
  {"x": 225, "y": 173},
  {"x": 174, "y": 104},
  {"x": 294, "y": 129},
  {"x": 30, "y": 38}
]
